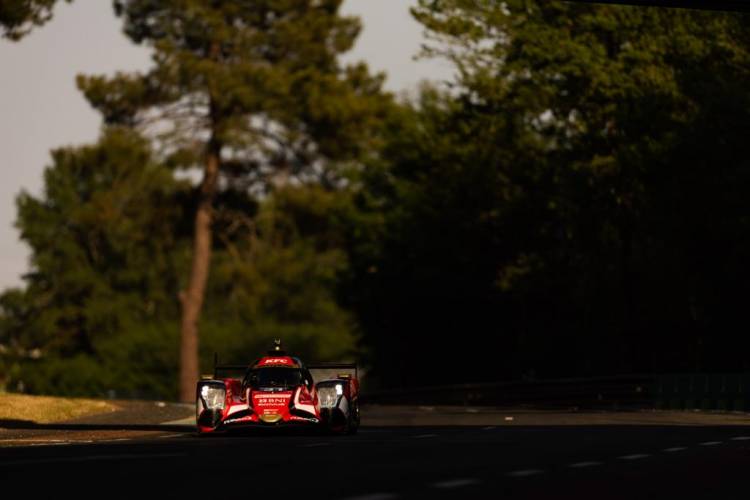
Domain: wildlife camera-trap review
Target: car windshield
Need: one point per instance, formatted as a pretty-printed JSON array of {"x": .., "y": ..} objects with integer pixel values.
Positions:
[{"x": 274, "y": 377}]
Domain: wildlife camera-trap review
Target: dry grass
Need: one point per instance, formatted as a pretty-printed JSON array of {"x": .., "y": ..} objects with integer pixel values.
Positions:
[{"x": 45, "y": 409}]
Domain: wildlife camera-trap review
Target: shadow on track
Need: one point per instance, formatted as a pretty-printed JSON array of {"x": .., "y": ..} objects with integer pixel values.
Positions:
[{"x": 29, "y": 425}]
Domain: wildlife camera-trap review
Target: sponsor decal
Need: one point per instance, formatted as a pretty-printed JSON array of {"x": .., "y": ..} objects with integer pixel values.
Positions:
[
  {"x": 266, "y": 400},
  {"x": 276, "y": 361},
  {"x": 261, "y": 402}
]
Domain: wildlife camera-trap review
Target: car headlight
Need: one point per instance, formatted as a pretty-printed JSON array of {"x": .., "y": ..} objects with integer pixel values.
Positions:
[{"x": 213, "y": 396}]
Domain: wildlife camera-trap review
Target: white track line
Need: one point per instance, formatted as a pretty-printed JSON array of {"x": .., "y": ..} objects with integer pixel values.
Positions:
[
  {"x": 455, "y": 483},
  {"x": 423, "y": 436},
  {"x": 524, "y": 473},
  {"x": 581, "y": 465},
  {"x": 741, "y": 438},
  {"x": 710, "y": 443},
  {"x": 634, "y": 456},
  {"x": 674, "y": 449},
  {"x": 489, "y": 428}
]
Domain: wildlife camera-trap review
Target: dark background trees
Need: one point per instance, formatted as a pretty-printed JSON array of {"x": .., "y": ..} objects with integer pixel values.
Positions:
[{"x": 573, "y": 203}]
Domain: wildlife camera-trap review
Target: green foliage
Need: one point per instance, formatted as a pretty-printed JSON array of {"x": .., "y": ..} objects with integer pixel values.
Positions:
[
  {"x": 567, "y": 204},
  {"x": 94, "y": 247},
  {"x": 280, "y": 279},
  {"x": 104, "y": 267},
  {"x": 138, "y": 362},
  {"x": 17, "y": 17},
  {"x": 100, "y": 308},
  {"x": 262, "y": 81},
  {"x": 438, "y": 218},
  {"x": 573, "y": 204},
  {"x": 254, "y": 95},
  {"x": 259, "y": 87}
]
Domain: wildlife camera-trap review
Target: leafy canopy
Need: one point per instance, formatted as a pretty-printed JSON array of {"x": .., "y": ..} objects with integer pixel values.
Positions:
[
  {"x": 18, "y": 17},
  {"x": 104, "y": 260},
  {"x": 570, "y": 204},
  {"x": 109, "y": 243},
  {"x": 261, "y": 79}
]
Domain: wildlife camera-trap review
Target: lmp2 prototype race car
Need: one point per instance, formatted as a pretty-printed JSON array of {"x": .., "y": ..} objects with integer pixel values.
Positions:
[{"x": 278, "y": 390}]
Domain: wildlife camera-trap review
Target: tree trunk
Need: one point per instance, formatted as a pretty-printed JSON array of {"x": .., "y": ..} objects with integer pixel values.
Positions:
[{"x": 192, "y": 299}]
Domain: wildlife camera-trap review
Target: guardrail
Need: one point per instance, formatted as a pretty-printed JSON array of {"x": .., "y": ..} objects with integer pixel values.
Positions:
[
  {"x": 600, "y": 392},
  {"x": 688, "y": 391},
  {"x": 727, "y": 392}
]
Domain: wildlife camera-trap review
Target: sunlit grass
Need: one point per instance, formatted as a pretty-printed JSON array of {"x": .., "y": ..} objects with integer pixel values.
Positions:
[{"x": 45, "y": 409}]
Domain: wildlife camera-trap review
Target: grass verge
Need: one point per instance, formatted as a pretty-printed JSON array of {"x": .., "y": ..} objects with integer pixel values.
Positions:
[{"x": 46, "y": 409}]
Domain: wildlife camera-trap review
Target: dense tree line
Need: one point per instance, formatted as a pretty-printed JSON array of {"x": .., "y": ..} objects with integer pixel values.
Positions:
[
  {"x": 111, "y": 245},
  {"x": 572, "y": 203}
]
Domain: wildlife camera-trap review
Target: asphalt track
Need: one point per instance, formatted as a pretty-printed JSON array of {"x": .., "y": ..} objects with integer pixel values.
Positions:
[{"x": 399, "y": 453}]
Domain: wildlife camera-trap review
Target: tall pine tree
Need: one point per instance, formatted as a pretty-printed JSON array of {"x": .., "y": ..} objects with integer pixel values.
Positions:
[{"x": 248, "y": 91}]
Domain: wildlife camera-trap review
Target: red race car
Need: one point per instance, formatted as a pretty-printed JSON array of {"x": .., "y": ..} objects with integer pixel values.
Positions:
[{"x": 278, "y": 390}]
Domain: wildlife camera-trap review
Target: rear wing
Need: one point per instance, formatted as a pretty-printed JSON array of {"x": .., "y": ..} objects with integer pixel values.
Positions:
[
  {"x": 332, "y": 367},
  {"x": 226, "y": 368},
  {"x": 328, "y": 367}
]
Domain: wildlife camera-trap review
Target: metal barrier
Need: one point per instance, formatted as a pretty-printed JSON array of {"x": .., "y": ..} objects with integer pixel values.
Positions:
[
  {"x": 616, "y": 392},
  {"x": 690, "y": 391}
]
